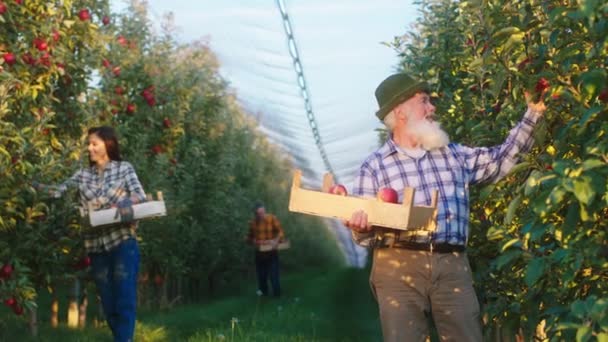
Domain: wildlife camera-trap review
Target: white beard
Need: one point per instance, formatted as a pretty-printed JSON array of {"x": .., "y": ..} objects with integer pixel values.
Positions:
[{"x": 429, "y": 134}]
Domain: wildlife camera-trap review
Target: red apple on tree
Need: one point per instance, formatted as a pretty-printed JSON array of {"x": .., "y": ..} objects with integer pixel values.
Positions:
[
  {"x": 106, "y": 63},
  {"x": 18, "y": 2},
  {"x": 40, "y": 44},
  {"x": 157, "y": 149},
  {"x": 122, "y": 40},
  {"x": 9, "y": 58},
  {"x": 2, "y": 8},
  {"x": 18, "y": 309},
  {"x": 6, "y": 271},
  {"x": 118, "y": 90},
  {"x": 131, "y": 108},
  {"x": 105, "y": 20},
  {"x": 167, "y": 123},
  {"x": 84, "y": 14},
  {"x": 541, "y": 85},
  {"x": 338, "y": 189},
  {"x": 388, "y": 195},
  {"x": 116, "y": 71},
  {"x": 10, "y": 301},
  {"x": 55, "y": 35},
  {"x": 603, "y": 96}
]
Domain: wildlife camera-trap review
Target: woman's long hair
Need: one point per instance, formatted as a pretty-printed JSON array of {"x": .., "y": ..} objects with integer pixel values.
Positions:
[{"x": 108, "y": 135}]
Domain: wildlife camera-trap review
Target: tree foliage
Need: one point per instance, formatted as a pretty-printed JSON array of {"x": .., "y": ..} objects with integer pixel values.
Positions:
[{"x": 538, "y": 238}]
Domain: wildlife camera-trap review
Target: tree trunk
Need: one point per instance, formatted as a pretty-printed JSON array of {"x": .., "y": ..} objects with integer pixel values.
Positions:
[
  {"x": 73, "y": 304},
  {"x": 33, "y": 321},
  {"x": 82, "y": 309},
  {"x": 54, "y": 312}
]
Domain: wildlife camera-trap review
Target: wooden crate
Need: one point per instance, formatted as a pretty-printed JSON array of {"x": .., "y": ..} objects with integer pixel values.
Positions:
[
  {"x": 266, "y": 247},
  {"x": 404, "y": 216},
  {"x": 141, "y": 211}
]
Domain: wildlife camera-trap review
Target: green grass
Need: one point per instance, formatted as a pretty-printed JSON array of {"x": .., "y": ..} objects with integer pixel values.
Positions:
[{"x": 328, "y": 305}]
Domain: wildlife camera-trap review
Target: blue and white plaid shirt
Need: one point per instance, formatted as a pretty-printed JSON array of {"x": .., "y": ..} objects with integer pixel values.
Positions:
[
  {"x": 117, "y": 182},
  {"x": 450, "y": 170}
]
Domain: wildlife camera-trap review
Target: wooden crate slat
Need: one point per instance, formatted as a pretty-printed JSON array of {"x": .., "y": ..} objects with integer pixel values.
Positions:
[{"x": 399, "y": 216}]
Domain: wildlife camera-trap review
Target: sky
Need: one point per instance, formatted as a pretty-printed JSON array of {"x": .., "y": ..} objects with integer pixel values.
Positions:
[{"x": 343, "y": 60}]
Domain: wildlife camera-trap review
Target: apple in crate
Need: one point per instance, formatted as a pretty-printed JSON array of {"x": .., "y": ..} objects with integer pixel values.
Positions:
[
  {"x": 338, "y": 189},
  {"x": 388, "y": 195}
]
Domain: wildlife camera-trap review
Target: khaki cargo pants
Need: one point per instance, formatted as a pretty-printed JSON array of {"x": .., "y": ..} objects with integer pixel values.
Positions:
[{"x": 410, "y": 284}]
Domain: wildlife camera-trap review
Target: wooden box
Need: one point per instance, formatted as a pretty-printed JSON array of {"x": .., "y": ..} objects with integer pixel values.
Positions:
[
  {"x": 398, "y": 216},
  {"x": 266, "y": 247},
  {"x": 146, "y": 210}
]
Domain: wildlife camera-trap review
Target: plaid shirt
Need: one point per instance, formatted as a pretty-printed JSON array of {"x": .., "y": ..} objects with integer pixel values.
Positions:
[
  {"x": 450, "y": 170},
  {"x": 117, "y": 182},
  {"x": 266, "y": 229}
]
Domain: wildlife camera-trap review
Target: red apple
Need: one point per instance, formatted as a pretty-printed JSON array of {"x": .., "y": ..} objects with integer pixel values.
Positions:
[
  {"x": 40, "y": 44},
  {"x": 603, "y": 96},
  {"x": 388, "y": 195},
  {"x": 2, "y": 8},
  {"x": 122, "y": 40},
  {"x": 158, "y": 280},
  {"x": 549, "y": 167},
  {"x": 6, "y": 271},
  {"x": 84, "y": 14},
  {"x": 173, "y": 161},
  {"x": 106, "y": 63},
  {"x": 9, "y": 58},
  {"x": 18, "y": 2},
  {"x": 18, "y": 309},
  {"x": 105, "y": 20},
  {"x": 118, "y": 90},
  {"x": 29, "y": 59},
  {"x": 338, "y": 189},
  {"x": 131, "y": 108},
  {"x": 10, "y": 302},
  {"x": 157, "y": 149},
  {"x": 116, "y": 71},
  {"x": 167, "y": 123},
  {"x": 56, "y": 35},
  {"x": 541, "y": 85},
  {"x": 45, "y": 59}
]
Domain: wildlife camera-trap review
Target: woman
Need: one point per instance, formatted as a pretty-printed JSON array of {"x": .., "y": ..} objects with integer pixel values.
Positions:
[{"x": 110, "y": 182}]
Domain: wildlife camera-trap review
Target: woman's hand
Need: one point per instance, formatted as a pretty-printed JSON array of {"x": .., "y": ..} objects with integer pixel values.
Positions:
[{"x": 124, "y": 210}]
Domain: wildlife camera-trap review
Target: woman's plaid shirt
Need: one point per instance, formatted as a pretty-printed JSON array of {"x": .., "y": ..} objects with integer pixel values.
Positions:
[
  {"x": 118, "y": 181},
  {"x": 450, "y": 170}
]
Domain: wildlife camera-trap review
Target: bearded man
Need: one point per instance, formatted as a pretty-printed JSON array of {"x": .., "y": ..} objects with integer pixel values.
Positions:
[{"x": 419, "y": 274}]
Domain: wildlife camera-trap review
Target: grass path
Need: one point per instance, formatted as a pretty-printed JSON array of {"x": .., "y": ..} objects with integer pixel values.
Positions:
[{"x": 333, "y": 305}]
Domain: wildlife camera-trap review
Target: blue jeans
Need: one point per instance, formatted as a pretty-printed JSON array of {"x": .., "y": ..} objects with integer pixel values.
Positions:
[
  {"x": 115, "y": 274},
  {"x": 267, "y": 264}
]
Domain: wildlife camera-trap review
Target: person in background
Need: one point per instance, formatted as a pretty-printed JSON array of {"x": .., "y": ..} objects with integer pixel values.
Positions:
[
  {"x": 417, "y": 274},
  {"x": 265, "y": 229},
  {"x": 109, "y": 182}
]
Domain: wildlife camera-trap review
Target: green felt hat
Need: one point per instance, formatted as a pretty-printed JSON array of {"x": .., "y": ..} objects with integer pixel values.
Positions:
[{"x": 394, "y": 90}]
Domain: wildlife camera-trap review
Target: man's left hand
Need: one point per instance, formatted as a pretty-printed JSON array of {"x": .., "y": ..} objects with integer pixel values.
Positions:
[{"x": 537, "y": 108}]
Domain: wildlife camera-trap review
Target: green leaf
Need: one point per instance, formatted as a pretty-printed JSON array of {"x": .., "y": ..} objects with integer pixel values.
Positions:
[
  {"x": 583, "y": 190},
  {"x": 509, "y": 244},
  {"x": 602, "y": 337},
  {"x": 512, "y": 209},
  {"x": 583, "y": 334},
  {"x": 507, "y": 257},
  {"x": 505, "y": 32},
  {"x": 593, "y": 163},
  {"x": 534, "y": 271},
  {"x": 519, "y": 167}
]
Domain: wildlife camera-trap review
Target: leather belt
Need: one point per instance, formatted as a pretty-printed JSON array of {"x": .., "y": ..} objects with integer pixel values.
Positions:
[{"x": 430, "y": 247}]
